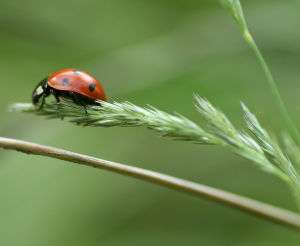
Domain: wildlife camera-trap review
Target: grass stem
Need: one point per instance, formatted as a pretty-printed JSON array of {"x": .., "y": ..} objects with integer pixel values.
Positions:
[
  {"x": 252, "y": 207},
  {"x": 236, "y": 10},
  {"x": 292, "y": 129},
  {"x": 216, "y": 129}
]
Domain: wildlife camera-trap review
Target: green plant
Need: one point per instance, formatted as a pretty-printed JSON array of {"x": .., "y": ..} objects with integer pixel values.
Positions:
[
  {"x": 217, "y": 129},
  {"x": 235, "y": 9},
  {"x": 256, "y": 144},
  {"x": 292, "y": 137}
]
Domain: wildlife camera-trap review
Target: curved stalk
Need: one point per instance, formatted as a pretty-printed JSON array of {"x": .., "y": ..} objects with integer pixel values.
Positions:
[{"x": 252, "y": 207}]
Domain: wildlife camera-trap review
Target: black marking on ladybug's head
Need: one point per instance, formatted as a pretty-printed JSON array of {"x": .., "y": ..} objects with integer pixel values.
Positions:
[
  {"x": 65, "y": 81},
  {"x": 37, "y": 94},
  {"x": 39, "y": 91},
  {"x": 92, "y": 87}
]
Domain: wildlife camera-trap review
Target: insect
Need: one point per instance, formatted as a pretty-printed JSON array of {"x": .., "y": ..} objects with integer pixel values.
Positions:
[{"x": 82, "y": 88}]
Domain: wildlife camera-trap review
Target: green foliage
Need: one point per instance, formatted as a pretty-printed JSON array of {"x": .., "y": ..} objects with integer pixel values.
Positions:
[
  {"x": 270, "y": 147},
  {"x": 124, "y": 114},
  {"x": 156, "y": 46},
  {"x": 293, "y": 151},
  {"x": 235, "y": 9},
  {"x": 217, "y": 129},
  {"x": 239, "y": 142}
]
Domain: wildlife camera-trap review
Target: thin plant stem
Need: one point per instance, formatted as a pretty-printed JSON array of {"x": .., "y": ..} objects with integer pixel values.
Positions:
[
  {"x": 293, "y": 130},
  {"x": 236, "y": 10},
  {"x": 264, "y": 211}
]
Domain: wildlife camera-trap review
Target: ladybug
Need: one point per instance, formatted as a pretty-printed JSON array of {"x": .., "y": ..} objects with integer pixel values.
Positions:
[{"x": 81, "y": 87}]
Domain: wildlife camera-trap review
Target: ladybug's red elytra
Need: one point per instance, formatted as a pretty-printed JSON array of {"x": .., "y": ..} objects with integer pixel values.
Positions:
[{"x": 70, "y": 83}]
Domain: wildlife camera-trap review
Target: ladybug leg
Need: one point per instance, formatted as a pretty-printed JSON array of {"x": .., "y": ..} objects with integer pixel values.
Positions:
[
  {"x": 57, "y": 102},
  {"x": 86, "y": 113},
  {"x": 78, "y": 101},
  {"x": 43, "y": 97},
  {"x": 84, "y": 107},
  {"x": 55, "y": 94},
  {"x": 57, "y": 98},
  {"x": 43, "y": 102}
]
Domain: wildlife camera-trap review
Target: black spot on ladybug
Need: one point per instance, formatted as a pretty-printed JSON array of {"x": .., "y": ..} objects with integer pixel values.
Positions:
[
  {"x": 92, "y": 87},
  {"x": 65, "y": 81}
]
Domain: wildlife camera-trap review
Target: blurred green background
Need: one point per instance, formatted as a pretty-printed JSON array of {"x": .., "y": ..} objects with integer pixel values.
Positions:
[{"x": 147, "y": 52}]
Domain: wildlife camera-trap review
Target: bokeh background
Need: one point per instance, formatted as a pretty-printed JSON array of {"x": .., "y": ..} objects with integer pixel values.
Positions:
[{"x": 146, "y": 52}]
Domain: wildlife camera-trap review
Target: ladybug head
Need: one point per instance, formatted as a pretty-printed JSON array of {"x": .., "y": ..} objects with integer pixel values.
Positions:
[{"x": 39, "y": 91}]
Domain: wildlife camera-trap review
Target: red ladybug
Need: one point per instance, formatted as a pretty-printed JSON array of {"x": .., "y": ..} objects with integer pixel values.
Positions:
[{"x": 70, "y": 83}]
